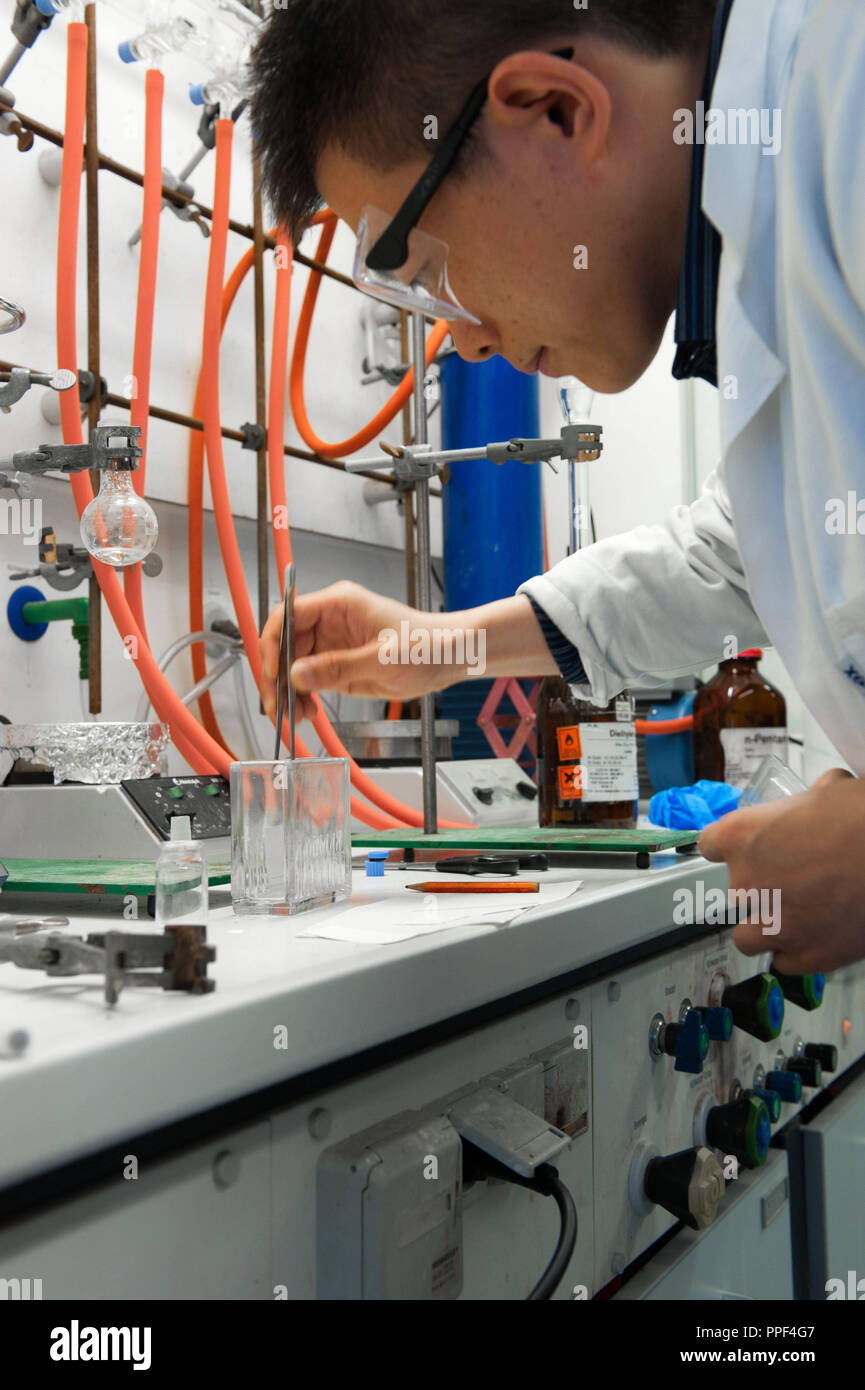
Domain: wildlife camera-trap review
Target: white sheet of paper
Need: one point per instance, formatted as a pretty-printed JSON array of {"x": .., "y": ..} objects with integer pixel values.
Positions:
[{"x": 400, "y": 918}]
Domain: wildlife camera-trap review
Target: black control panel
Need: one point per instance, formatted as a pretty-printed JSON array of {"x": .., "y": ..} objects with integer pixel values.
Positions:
[{"x": 206, "y": 800}]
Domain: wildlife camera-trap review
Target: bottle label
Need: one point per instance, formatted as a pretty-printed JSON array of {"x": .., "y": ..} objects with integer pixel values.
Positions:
[
  {"x": 600, "y": 763},
  {"x": 570, "y": 747},
  {"x": 570, "y": 782},
  {"x": 745, "y": 749}
]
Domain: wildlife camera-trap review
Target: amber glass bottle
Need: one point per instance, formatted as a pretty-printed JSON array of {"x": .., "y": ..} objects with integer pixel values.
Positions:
[
  {"x": 738, "y": 718},
  {"x": 587, "y": 760}
]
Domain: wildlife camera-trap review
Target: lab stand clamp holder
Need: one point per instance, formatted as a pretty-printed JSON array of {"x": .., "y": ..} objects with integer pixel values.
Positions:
[
  {"x": 103, "y": 452},
  {"x": 179, "y": 183},
  {"x": 21, "y": 380},
  {"x": 413, "y": 465},
  {"x": 418, "y": 462},
  {"x": 62, "y": 565},
  {"x": 176, "y": 959},
  {"x": 27, "y": 24}
]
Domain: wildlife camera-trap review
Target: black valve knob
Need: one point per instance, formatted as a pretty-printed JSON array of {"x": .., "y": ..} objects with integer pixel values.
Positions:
[
  {"x": 742, "y": 1128},
  {"x": 804, "y": 990},
  {"x": 824, "y": 1053},
  {"x": 484, "y": 794},
  {"x": 809, "y": 1069},
  {"x": 687, "y": 1041},
  {"x": 689, "y": 1185},
  {"x": 757, "y": 1005},
  {"x": 528, "y": 790}
]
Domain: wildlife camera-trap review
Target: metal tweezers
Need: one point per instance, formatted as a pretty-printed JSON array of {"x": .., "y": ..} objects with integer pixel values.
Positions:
[{"x": 284, "y": 686}]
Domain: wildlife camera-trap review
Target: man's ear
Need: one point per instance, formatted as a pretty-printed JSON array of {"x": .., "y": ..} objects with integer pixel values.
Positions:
[{"x": 565, "y": 100}]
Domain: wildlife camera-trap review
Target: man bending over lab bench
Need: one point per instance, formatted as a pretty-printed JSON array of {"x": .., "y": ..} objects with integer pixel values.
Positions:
[{"x": 583, "y": 136}]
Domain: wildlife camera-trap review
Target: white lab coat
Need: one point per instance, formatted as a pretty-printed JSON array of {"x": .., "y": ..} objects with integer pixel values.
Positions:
[{"x": 752, "y": 558}]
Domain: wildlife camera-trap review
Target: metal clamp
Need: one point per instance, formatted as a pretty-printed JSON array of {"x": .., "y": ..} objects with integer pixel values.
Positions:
[
  {"x": 10, "y": 125},
  {"x": 21, "y": 379},
  {"x": 126, "y": 959},
  {"x": 28, "y": 22},
  {"x": 103, "y": 452},
  {"x": 254, "y": 437},
  {"x": 413, "y": 462},
  {"x": 15, "y": 316},
  {"x": 62, "y": 565}
]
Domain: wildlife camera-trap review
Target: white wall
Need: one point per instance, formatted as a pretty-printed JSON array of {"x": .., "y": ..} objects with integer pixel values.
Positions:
[{"x": 638, "y": 477}]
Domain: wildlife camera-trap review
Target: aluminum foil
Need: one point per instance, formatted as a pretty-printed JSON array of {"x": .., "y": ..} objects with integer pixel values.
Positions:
[{"x": 95, "y": 753}]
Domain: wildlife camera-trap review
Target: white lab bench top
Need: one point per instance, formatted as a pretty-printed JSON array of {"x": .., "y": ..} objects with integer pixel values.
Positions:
[{"x": 92, "y": 1075}]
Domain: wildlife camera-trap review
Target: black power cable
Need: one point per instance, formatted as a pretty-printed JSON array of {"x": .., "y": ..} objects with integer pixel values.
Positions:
[{"x": 547, "y": 1183}]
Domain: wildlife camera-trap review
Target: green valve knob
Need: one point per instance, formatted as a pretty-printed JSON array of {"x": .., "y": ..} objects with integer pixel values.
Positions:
[
  {"x": 211, "y": 789},
  {"x": 741, "y": 1128},
  {"x": 805, "y": 990},
  {"x": 176, "y": 793},
  {"x": 771, "y": 1100},
  {"x": 757, "y": 1005}
]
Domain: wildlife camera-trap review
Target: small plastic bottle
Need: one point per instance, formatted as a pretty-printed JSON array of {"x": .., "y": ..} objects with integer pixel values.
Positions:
[
  {"x": 738, "y": 719},
  {"x": 587, "y": 760}
]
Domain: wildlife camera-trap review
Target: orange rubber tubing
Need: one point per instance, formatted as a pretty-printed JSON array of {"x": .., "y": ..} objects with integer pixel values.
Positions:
[
  {"x": 143, "y": 350},
  {"x": 664, "y": 726},
  {"x": 195, "y": 485},
  {"x": 218, "y": 483},
  {"x": 388, "y": 412},
  {"x": 195, "y": 501},
  {"x": 276, "y": 429},
  {"x": 281, "y": 536},
  {"x": 199, "y": 750},
  {"x": 195, "y": 489}
]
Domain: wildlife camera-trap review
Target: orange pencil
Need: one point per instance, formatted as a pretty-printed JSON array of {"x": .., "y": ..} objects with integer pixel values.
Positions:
[{"x": 509, "y": 885}]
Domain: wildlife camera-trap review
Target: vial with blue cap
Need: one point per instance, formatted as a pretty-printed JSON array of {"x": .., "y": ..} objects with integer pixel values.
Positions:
[
  {"x": 74, "y": 8},
  {"x": 152, "y": 45},
  {"x": 375, "y": 862}
]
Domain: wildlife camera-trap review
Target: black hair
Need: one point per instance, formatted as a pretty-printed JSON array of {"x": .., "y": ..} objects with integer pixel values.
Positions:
[{"x": 369, "y": 73}]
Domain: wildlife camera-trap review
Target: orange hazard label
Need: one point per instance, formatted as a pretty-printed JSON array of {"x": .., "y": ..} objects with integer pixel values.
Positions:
[
  {"x": 569, "y": 743},
  {"x": 571, "y": 783}
]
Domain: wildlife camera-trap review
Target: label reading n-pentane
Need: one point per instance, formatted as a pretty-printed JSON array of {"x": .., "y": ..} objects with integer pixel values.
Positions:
[
  {"x": 607, "y": 770},
  {"x": 745, "y": 749}
]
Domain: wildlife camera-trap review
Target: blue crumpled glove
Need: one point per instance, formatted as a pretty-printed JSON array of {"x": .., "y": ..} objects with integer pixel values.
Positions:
[{"x": 693, "y": 808}]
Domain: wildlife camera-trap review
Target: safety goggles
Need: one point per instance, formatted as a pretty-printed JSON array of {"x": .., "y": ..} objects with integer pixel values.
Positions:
[
  {"x": 398, "y": 263},
  {"x": 419, "y": 283}
]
